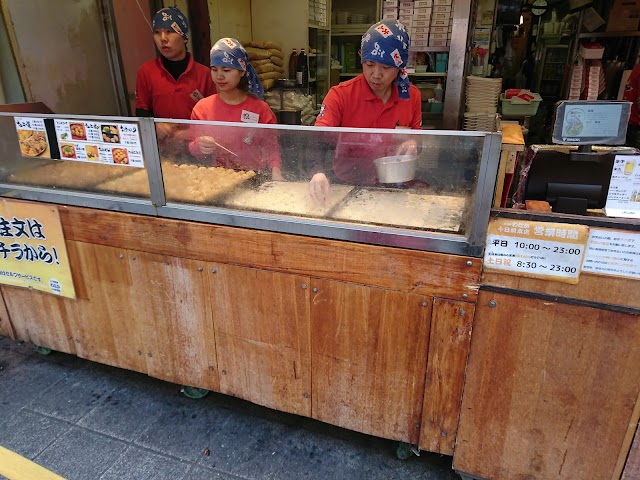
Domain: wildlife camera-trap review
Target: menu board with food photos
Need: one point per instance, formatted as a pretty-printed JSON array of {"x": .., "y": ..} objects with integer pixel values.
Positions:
[
  {"x": 32, "y": 137},
  {"x": 89, "y": 141}
]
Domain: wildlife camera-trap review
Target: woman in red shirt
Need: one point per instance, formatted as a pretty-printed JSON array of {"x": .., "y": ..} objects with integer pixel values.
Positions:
[{"x": 238, "y": 100}]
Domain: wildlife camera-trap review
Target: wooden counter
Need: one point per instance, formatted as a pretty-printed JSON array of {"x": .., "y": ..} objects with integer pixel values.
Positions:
[{"x": 374, "y": 339}]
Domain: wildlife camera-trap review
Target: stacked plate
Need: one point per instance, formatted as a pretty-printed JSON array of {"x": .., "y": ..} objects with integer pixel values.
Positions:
[
  {"x": 483, "y": 94},
  {"x": 480, "y": 122}
]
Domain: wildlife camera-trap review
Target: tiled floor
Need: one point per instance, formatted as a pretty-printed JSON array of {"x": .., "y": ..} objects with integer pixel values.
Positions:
[{"x": 87, "y": 421}]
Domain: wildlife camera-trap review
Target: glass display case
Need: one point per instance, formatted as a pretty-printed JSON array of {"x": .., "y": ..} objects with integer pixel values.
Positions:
[{"x": 410, "y": 188}]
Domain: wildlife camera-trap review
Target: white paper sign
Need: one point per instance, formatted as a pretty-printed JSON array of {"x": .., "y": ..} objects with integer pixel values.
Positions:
[
  {"x": 552, "y": 251},
  {"x": 111, "y": 143},
  {"x": 613, "y": 252},
  {"x": 623, "y": 198}
]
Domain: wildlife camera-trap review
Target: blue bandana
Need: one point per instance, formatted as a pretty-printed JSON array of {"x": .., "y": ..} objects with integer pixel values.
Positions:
[
  {"x": 172, "y": 19},
  {"x": 227, "y": 52},
  {"x": 387, "y": 42}
]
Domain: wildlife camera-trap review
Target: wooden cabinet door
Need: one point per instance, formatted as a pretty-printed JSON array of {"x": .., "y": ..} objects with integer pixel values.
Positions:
[
  {"x": 448, "y": 350},
  {"x": 103, "y": 318},
  {"x": 369, "y": 358},
  {"x": 173, "y": 318},
  {"x": 550, "y": 389},
  {"x": 262, "y": 330}
]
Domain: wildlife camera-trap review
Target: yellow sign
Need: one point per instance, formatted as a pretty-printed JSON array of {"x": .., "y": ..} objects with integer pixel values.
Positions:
[
  {"x": 33, "y": 253},
  {"x": 553, "y": 251}
]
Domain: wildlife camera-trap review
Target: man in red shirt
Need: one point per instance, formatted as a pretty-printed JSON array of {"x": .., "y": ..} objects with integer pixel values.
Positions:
[
  {"x": 632, "y": 93},
  {"x": 382, "y": 97},
  {"x": 170, "y": 85}
]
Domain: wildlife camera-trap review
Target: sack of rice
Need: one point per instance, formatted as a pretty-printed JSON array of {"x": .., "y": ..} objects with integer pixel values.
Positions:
[{"x": 257, "y": 53}]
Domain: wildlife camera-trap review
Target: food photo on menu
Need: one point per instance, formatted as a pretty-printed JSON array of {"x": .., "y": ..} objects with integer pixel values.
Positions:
[
  {"x": 120, "y": 156},
  {"x": 33, "y": 143},
  {"x": 110, "y": 133},
  {"x": 67, "y": 150},
  {"x": 78, "y": 131},
  {"x": 92, "y": 152}
]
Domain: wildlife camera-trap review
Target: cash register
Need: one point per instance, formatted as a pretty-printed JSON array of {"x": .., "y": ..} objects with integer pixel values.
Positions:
[{"x": 574, "y": 173}]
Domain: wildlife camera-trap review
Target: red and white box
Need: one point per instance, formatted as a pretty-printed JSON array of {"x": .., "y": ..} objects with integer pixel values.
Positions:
[{"x": 406, "y": 4}]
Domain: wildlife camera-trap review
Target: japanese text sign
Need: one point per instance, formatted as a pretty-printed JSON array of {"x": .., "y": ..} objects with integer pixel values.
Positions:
[
  {"x": 32, "y": 248},
  {"x": 553, "y": 251},
  {"x": 613, "y": 252}
]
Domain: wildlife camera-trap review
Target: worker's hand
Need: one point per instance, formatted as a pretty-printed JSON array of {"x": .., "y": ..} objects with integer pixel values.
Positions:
[
  {"x": 276, "y": 174},
  {"x": 163, "y": 130},
  {"x": 319, "y": 188},
  {"x": 207, "y": 145},
  {"x": 408, "y": 147}
]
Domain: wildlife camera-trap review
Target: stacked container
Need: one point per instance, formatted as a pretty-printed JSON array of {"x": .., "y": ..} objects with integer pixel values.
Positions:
[{"x": 429, "y": 21}]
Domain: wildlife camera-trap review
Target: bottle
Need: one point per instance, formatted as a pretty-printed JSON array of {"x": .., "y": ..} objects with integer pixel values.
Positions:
[
  {"x": 437, "y": 92},
  {"x": 293, "y": 63},
  {"x": 302, "y": 70}
]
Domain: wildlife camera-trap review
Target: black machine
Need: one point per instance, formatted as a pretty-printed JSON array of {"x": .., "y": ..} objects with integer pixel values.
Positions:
[{"x": 574, "y": 181}]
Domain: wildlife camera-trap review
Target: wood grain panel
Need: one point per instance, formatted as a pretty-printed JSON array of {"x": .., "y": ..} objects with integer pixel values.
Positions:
[
  {"x": 403, "y": 270},
  {"x": 448, "y": 350},
  {"x": 5, "y": 321},
  {"x": 263, "y": 336},
  {"x": 619, "y": 291},
  {"x": 632, "y": 467},
  {"x": 549, "y": 391},
  {"x": 174, "y": 319},
  {"x": 369, "y": 358},
  {"x": 104, "y": 322}
]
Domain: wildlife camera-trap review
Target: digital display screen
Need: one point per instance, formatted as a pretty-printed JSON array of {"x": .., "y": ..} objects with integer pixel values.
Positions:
[{"x": 591, "y": 123}]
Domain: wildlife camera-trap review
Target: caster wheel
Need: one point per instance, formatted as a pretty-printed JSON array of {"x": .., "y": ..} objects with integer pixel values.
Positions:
[
  {"x": 43, "y": 350},
  {"x": 194, "y": 392},
  {"x": 404, "y": 450}
]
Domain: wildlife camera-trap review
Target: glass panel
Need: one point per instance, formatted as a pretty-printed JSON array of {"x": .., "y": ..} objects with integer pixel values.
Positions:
[
  {"x": 84, "y": 176},
  {"x": 393, "y": 178}
]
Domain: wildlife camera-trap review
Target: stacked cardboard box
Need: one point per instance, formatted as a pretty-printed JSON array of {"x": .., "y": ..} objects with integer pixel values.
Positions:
[
  {"x": 318, "y": 12},
  {"x": 429, "y": 21}
]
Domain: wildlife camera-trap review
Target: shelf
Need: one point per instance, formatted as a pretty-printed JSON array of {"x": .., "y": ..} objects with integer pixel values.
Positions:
[
  {"x": 632, "y": 33},
  {"x": 318, "y": 27},
  {"x": 349, "y": 29},
  {"x": 428, "y": 49},
  {"x": 313, "y": 55},
  {"x": 427, "y": 74}
]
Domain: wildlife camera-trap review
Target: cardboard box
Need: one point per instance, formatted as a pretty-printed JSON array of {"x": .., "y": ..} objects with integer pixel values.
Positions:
[
  {"x": 390, "y": 3},
  {"x": 445, "y": 17},
  {"x": 389, "y": 10},
  {"x": 405, "y": 11},
  {"x": 420, "y": 23},
  {"x": 443, "y": 2},
  {"x": 419, "y": 43},
  {"x": 440, "y": 29},
  {"x": 419, "y": 36},
  {"x": 406, "y": 4},
  {"x": 442, "y": 9},
  {"x": 624, "y": 16},
  {"x": 438, "y": 43},
  {"x": 421, "y": 17},
  {"x": 422, "y": 11},
  {"x": 390, "y": 16},
  {"x": 423, "y": 4},
  {"x": 406, "y": 19},
  {"x": 437, "y": 36},
  {"x": 417, "y": 30},
  {"x": 440, "y": 23}
]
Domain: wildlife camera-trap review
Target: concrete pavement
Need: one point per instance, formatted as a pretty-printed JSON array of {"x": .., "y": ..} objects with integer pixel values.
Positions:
[{"x": 86, "y": 421}]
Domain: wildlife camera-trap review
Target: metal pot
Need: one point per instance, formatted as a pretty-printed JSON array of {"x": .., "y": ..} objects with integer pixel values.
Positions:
[{"x": 396, "y": 168}]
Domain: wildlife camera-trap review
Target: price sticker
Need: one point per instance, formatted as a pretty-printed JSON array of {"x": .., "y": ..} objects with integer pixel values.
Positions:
[{"x": 553, "y": 251}]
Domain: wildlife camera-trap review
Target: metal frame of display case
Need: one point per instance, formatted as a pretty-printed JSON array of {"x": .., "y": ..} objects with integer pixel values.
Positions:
[{"x": 156, "y": 205}]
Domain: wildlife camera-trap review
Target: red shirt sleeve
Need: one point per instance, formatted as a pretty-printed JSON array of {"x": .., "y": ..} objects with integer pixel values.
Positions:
[
  {"x": 331, "y": 110},
  {"x": 416, "y": 107},
  {"x": 143, "y": 95},
  {"x": 195, "y": 130}
]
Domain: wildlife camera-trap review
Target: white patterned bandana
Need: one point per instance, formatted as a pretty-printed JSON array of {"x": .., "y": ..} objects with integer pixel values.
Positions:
[{"x": 227, "y": 52}]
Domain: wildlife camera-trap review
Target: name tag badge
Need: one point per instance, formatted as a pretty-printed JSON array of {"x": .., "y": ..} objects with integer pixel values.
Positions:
[
  {"x": 249, "y": 117},
  {"x": 196, "y": 96}
]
